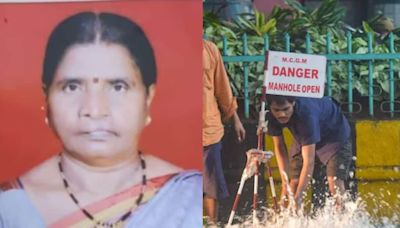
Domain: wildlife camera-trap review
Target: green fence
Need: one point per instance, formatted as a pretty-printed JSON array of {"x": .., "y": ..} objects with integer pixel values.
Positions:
[{"x": 389, "y": 105}]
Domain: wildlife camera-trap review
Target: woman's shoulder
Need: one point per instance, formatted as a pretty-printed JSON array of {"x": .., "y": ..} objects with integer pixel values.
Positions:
[
  {"x": 16, "y": 210},
  {"x": 9, "y": 185},
  {"x": 186, "y": 183},
  {"x": 158, "y": 167},
  {"x": 190, "y": 177},
  {"x": 43, "y": 174}
]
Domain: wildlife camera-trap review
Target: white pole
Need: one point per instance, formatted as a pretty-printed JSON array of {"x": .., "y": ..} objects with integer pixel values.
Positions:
[{"x": 235, "y": 204}]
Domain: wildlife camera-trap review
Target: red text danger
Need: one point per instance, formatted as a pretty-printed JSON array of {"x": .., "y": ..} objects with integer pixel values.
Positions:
[{"x": 295, "y": 72}]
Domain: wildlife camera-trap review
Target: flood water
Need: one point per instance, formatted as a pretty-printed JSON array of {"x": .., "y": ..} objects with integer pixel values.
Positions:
[{"x": 377, "y": 205}]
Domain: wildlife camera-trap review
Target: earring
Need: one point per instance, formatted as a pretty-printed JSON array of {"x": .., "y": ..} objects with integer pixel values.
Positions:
[{"x": 148, "y": 120}]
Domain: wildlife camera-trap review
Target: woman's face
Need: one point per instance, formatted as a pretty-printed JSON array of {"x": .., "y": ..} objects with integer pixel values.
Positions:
[{"x": 97, "y": 102}]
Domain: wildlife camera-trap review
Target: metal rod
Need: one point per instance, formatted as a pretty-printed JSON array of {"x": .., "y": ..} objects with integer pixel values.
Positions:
[
  {"x": 350, "y": 74},
  {"x": 262, "y": 112},
  {"x": 246, "y": 79},
  {"x": 329, "y": 64},
  {"x": 391, "y": 77},
  {"x": 287, "y": 42},
  {"x": 370, "y": 78},
  {"x": 308, "y": 43}
]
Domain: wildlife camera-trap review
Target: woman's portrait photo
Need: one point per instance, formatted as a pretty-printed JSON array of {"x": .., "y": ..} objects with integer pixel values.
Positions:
[{"x": 101, "y": 114}]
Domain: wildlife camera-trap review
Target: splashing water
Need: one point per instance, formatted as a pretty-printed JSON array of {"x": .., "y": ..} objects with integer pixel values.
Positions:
[{"x": 354, "y": 215}]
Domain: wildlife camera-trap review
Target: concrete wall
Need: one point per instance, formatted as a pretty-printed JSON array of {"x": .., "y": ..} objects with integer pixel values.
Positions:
[{"x": 378, "y": 150}]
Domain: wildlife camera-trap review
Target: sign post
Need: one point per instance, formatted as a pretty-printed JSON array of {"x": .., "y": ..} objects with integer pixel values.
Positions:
[
  {"x": 294, "y": 74},
  {"x": 289, "y": 74}
]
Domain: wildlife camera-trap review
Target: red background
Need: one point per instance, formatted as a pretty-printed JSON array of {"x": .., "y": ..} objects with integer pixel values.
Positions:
[{"x": 174, "y": 29}]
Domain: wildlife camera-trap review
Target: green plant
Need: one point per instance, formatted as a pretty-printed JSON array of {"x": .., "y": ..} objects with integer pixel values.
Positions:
[{"x": 298, "y": 22}]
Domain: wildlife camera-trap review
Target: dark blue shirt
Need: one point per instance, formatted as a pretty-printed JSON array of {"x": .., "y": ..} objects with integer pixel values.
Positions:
[{"x": 314, "y": 121}]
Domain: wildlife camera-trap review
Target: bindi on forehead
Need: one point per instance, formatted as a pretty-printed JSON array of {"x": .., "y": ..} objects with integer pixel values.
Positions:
[{"x": 95, "y": 80}]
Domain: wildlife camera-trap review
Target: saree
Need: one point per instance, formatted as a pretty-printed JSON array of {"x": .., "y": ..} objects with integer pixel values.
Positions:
[{"x": 169, "y": 201}]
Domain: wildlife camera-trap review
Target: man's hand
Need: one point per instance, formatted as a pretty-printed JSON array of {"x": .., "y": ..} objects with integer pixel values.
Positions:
[
  {"x": 308, "y": 154},
  {"x": 298, "y": 199},
  {"x": 284, "y": 201},
  {"x": 239, "y": 129}
]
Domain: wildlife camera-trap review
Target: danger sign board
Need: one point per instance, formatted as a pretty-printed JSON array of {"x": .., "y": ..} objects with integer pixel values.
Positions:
[{"x": 293, "y": 74}]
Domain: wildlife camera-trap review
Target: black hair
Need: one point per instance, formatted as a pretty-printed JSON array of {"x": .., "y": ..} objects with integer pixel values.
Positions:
[
  {"x": 90, "y": 27},
  {"x": 279, "y": 99}
]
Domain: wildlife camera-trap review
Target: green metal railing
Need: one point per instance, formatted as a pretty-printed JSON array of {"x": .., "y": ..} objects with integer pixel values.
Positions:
[{"x": 349, "y": 57}]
